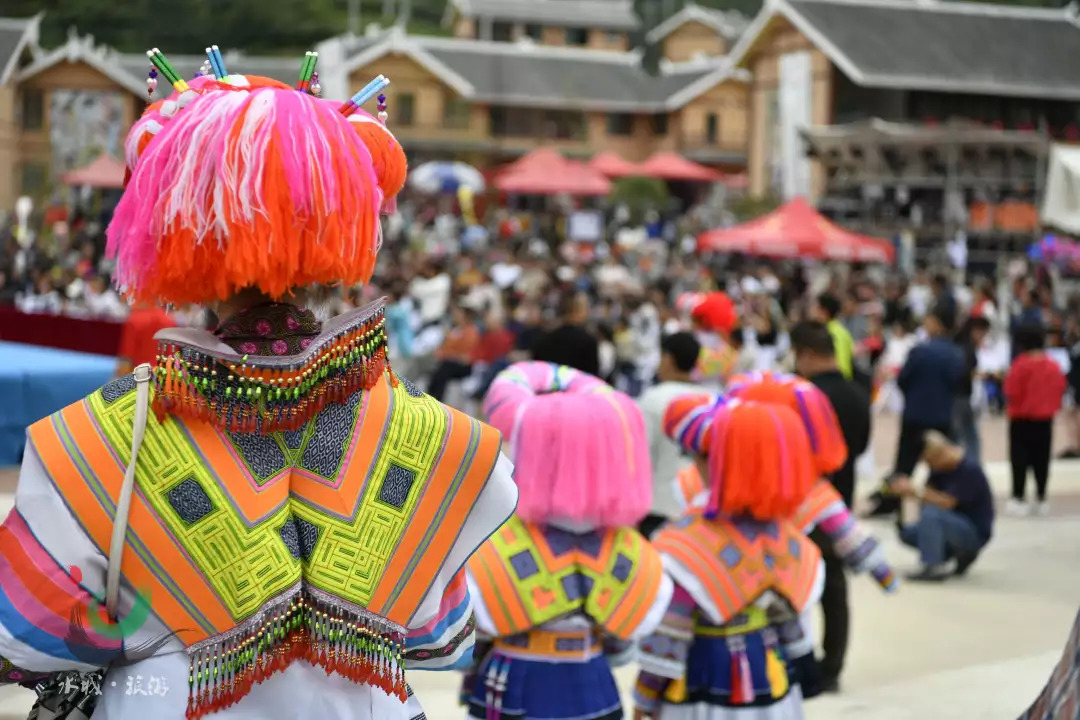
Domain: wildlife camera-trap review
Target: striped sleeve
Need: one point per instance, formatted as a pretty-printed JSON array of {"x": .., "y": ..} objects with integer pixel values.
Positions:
[
  {"x": 855, "y": 545},
  {"x": 663, "y": 654},
  {"x": 47, "y": 564},
  {"x": 446, "y": 641}
]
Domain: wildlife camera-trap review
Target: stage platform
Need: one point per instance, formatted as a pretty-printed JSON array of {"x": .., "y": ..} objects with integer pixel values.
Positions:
[{"x": 37, "y": 381}]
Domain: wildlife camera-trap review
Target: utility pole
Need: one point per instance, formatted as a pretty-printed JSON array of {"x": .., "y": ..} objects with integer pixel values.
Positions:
[{"x": 354, "y": 17}]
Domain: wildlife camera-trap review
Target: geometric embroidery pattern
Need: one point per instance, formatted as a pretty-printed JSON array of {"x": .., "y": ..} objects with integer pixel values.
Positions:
[
  {"x": 396, "y": 485},
  {"x": 261, "y": 453},
  {"x": 556, "y": 573},
  {"x": 299, "y": 537},
  {"x": 190, "y": 501},
  {"x": 118, "y": 388},
  {"x": 250, "y": 557}
]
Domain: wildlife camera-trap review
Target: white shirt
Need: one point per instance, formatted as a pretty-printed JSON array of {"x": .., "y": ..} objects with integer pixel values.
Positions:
[
  {"x": 433, "y": 294},
  {"x": 666, "y": 455}
]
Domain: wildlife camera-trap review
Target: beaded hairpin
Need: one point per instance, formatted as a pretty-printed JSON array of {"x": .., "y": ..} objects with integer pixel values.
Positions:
[{"x": 308, "y": 82}]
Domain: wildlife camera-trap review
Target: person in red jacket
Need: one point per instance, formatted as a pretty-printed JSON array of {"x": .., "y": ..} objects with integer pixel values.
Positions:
[
  {"x": 137, "y": 343},
  {"x": 1033, "y": 390}
]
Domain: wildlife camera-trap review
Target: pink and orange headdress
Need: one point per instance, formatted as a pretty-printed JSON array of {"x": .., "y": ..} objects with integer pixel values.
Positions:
[
  {"x": 758, "y": 455},
  {"x": 244, "y": 182},
  {"x": 812, "y": 405},
  {"x": 579, "y": 447}
]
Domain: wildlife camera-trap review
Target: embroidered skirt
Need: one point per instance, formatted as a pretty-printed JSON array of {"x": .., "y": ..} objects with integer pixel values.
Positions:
[
  {"x": 513, "y": 688},
  {"x": 741, "y": 677}
]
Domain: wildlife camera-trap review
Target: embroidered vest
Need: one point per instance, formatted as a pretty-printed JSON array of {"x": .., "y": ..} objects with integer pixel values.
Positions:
[
  {"x": 528, "y": 575},
  {"x": 736, "y": 562},
  {"x": 286, "y": 508}
]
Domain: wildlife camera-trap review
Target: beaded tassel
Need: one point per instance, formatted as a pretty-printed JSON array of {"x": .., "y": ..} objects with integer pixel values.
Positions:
[
  {"x": 362, "y": 648},
  {"x": 248, "y": 397}
]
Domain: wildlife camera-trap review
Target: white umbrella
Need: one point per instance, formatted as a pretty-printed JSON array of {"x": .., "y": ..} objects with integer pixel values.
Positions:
[{"x": 446, "y": 177}]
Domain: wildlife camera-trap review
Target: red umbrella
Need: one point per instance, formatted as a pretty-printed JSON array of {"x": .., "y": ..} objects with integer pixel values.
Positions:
[
  {"x": 613, "y": 166},
  {"x": 797, "y": 230},
  {"x": 539, "y": 160},
  {"x": 547, "y": 175},
  {"x": 671, "y": 166},
  {"x": 104, "y": 172}
]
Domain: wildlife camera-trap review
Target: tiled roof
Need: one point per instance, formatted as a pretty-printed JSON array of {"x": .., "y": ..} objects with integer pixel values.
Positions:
[
  {"x": 541, "y": 76},
  {"x": 943, "y": 46},
  {"x": 608, "y": 14}
]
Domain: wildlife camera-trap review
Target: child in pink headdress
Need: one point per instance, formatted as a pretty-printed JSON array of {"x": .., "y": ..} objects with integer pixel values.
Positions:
[{"x": 567, "y": 584}]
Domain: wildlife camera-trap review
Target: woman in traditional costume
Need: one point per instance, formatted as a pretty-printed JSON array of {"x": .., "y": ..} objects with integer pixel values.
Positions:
[
  {"x": 824, "y": 508},
  {"x": 743, "y": 573},
  {"x": 564, "y": 588},
  {"x": 298, "y": 516}
]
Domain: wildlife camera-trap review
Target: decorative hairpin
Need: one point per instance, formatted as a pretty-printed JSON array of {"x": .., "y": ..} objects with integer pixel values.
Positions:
[
  {"x": 369, "y": 91},
  {"x": 161, "y": 65},
  {"x": 217, "y": 63},
  {"x": 307, "y": 72},
  {"x": 382, "y": 109},
  {"x": 316, "y": 88}
]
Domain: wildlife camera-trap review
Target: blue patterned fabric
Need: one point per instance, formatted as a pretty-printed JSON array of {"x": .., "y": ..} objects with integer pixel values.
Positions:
[
  {"x": 709, "y": 675},
  {"x": 552, "y": 691}
]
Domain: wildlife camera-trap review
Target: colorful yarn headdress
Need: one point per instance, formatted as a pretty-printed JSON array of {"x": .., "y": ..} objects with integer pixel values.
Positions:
[
  {"x": 241, "y": 182},
  {"x": 758, "y": 455},
  {"x": 812, "y": 405},
  {"x": 579, "y": 447}
]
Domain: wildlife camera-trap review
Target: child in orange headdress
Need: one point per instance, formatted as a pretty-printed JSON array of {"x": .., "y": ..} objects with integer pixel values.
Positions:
[{"x": 743, "y": 573}]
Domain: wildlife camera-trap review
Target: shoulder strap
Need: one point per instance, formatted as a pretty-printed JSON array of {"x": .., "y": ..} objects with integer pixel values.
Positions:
[{"x": 123, "y": 505}]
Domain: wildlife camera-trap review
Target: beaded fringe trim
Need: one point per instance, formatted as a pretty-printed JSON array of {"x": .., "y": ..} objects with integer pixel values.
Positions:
[
  {"x": 354, "y": 644},
  {"x": 265, "y": 395}
]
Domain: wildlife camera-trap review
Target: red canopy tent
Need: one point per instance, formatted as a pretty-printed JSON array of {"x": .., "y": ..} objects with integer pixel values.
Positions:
[
  {"x": 797, "y": 230},
  {"x": 546, "y": 172},
  {"x": 613, "y": 166},
  {"x": 671, "y": 166},
  {"x": 104, "y": 172}
]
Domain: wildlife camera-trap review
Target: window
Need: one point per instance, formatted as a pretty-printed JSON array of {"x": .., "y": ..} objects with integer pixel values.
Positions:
[
  {"x": 33, "y": 178},
  {"x": 613, "y": 38},
  {"x": 577, "y": 36},
  {"x": 403, "y": 106},
  {"x": 502, "y": 32},
  {"x": 620, "y": 124},
  {"x": 33, "y": 109},
  {"x": 712, "y": 128},
  {"x": 565, "y": 125},
  {"x": 536, "y": 32},
  {"x": 455, "y": 112},
  {"x": 659, "y": 124}
]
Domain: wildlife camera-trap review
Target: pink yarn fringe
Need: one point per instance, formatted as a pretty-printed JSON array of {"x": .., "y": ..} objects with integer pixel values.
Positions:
[
  {"x": 205, "y": 171},
  {"x": 579, "y": 447}
]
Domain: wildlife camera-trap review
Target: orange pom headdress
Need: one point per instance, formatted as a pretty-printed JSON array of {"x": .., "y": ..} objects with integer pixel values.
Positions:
[
  {"x": 812, "y": 405},
  {"x": 244, "y": 182},
  {"x": 758, "y": 455}
]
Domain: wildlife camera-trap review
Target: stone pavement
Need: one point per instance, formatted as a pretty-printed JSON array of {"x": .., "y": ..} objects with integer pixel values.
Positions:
[{"x": 973, "y": 649}]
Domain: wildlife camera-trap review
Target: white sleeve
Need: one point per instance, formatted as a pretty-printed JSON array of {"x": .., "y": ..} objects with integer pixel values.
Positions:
[{"x": 441, "y": 632}]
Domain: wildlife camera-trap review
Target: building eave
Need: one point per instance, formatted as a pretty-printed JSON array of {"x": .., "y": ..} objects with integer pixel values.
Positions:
[
  {"x": 688, "y": 94},
  {"x": 989, "y": 87},
  {"x": 77, "y": 50},
  {"x": 397, "y": 42},
  {"x": 689, "y": 13},
  {"x": 29, "y": 40}
]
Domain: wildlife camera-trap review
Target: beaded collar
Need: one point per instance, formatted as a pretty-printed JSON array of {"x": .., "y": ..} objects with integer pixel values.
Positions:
[{"x": 200, "y": 377}]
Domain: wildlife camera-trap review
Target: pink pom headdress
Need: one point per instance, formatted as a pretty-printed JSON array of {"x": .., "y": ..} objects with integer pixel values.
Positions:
[
  {"x": 238, "y": 181},
  {"x": 579, "y": 446}
]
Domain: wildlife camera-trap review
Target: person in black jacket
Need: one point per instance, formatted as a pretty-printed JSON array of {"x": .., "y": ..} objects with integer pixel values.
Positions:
[
  {"x": 815, "y": 360},
  {"x": 570, "y": 344}
]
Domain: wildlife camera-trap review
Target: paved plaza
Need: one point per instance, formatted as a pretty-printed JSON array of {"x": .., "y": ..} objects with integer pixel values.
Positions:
[{"x": 981, "y": 647}]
